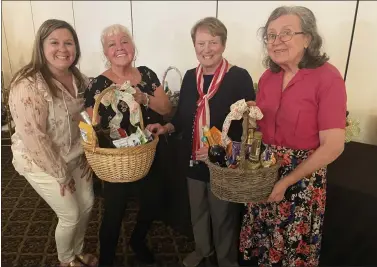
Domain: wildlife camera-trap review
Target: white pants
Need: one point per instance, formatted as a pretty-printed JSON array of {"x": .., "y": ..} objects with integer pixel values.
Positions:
[{"x": 73, "y": 210}]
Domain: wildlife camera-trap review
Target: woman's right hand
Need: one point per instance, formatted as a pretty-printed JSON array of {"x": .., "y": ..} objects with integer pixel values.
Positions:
[
  {"x": 70, "y": 187},
  {"x": 157, "y": 129}
]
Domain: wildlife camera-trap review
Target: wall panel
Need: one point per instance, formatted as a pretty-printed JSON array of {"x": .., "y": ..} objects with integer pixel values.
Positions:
[
  {"x": 97, "y": 14},
  {"x": 44, "y": 10},
  {"x": 162, "y": 34},
  {"x": 244, "y": 18},
  {"x": 19, "y": 30},
  {"x": 5, "y": 65},
  {"x": 361, "y": 78}
]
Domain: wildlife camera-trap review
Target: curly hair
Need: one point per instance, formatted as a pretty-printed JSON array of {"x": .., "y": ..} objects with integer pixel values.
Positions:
[{"x": 312, "y": 57}]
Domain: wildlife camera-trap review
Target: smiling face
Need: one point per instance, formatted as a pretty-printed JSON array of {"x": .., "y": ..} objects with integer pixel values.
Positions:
[
  {"x": 209, "y": 49},
  {"x": 119, "y": 49},
  {"x": 59, "y": 50},
  {"x": 288, "y": 52}
]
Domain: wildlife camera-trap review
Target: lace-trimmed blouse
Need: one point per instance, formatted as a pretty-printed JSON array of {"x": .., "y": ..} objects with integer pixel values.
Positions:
[{"x": 47, "y": 136}]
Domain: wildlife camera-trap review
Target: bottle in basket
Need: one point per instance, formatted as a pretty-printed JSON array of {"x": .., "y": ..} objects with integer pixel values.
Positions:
[
  {"x": 86, "y": 117},
  {"x": 249, "y": 142},
  {"x": 216, "y": 152},
  {"x": 103, "y": 136},
  {"x": 254, "y": 152}
]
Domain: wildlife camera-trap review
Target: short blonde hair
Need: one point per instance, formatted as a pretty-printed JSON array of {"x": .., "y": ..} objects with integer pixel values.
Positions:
[
  {"x": 115, "y": 29},
  {"x": 213, "y": 25}
]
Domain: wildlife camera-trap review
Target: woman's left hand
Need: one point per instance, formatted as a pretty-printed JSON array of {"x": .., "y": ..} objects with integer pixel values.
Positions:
[
  {"x": 140, "y": 97},
  {"x": 202, "y": 153},
  {"x": 278, "y": 192},
  {"x": 70, "y": 187}
]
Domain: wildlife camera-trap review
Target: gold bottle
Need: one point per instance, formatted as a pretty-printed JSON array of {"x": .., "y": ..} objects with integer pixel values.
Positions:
[
  {"x": 257, "y": 143},
  {"x": 254, "y": 155},
  {"x": 249, "y": 142}
]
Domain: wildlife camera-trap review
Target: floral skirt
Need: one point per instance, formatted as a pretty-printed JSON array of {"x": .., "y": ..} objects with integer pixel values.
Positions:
[{"x": 288, "y": 232}]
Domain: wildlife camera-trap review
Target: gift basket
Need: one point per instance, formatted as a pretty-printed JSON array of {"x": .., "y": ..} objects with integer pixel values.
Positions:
[
  {"x": 128, "y": 158},
  {"x": 173, "y": 95},
  {"x": 239, "y": 172},
  {"x": 352, "y": 128}
]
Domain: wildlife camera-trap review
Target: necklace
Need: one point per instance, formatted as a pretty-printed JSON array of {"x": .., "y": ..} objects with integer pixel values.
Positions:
[{"x": 122, "y": 79}]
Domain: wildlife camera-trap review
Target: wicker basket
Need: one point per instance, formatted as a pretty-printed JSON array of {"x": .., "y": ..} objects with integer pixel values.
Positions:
[
  {"x": 119, "y": 165},
  {"x": 173, "y": 96},
  {"x": 243, "y": 185}
]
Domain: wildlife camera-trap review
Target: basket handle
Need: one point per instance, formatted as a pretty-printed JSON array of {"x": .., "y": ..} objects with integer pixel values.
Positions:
[
  {"x": 245, "y": 127},
  {"x": 166, "y": 73},
  {"x": 250, "y": 115},
  {"x": 96, "y": 107}
]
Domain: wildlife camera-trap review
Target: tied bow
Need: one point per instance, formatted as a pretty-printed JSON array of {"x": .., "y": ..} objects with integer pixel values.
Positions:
[
  {"x": 236, "y": 113},
  {"x": 125, "y": 93}
]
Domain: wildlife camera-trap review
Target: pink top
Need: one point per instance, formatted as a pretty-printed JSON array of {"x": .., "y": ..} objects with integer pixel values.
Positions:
[
  {"x": 314, "y": 100},
  {"x": 47, "y": 137}
]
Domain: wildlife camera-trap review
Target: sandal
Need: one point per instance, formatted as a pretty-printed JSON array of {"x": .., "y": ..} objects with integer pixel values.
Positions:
[
  {"x": 88, "y": 259},
  {"x": 73, "y": 263}
]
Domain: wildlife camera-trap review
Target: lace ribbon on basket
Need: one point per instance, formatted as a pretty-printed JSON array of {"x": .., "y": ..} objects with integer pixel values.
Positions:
[
  {"x": 236, "y": 112},
  {"x": 125, "y": 93}
]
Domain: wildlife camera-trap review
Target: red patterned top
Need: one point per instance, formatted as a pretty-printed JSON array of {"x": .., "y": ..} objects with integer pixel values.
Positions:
[{"x": 314, "y": 100}]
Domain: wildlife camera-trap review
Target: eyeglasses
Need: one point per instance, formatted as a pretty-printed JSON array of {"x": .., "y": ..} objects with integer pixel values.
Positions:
[{"x": 283, "y": 36}]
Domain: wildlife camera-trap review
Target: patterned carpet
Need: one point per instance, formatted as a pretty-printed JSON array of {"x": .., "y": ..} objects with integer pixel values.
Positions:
[
  {"x": 28, "y": 226},
  {"x": 349, "y": 232}
]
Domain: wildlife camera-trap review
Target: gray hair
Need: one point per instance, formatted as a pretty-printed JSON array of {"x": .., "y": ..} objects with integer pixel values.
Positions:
[
  {"x": 115, "y": 29},
  {"x": 312, "y": 56}
]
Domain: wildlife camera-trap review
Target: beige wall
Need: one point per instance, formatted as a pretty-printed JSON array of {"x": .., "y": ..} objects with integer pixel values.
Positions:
[
  {"x": 362, "y": 73},
  {"x": 19, "y": 31},
  {"x": 162, "y": 35}
]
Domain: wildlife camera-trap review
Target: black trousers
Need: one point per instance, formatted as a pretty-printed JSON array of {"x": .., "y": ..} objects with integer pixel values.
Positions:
[{"x": 116, "y": 195}]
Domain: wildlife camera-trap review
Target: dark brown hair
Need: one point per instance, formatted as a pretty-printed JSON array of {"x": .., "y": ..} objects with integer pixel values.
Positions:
[{"x": 38, "y": 61}]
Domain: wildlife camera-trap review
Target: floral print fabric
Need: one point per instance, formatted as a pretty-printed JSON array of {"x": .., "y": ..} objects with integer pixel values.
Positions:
[
  {"x": 47, "y": 136},
  {"x": 288, "y": 232},
  {"x": 148, "y": 84}
]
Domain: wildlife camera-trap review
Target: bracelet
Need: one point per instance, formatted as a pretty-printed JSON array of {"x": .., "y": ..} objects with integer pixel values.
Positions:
[
  {"x": 169, "y": 130},
  {"x": 147, "y": 97}
]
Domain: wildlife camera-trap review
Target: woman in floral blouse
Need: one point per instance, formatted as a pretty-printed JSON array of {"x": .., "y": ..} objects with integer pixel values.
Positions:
[
  {"x": 45, "y": 102},
  {"x": 119, "y": 50}
]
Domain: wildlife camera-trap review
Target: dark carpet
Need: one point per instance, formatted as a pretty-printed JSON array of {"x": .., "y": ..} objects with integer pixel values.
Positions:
[
  {"x": 349, "y": 238},
  {"x": 28, "y": 226}
]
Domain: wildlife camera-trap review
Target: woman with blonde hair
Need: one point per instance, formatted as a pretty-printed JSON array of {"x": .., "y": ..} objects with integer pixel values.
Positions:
[
  {"x": 45, "y": 102},
  {"x": 119, "y": 49}
]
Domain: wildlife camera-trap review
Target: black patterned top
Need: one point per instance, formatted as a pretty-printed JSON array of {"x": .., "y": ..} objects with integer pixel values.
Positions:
[{"x": 148, "y": 84}]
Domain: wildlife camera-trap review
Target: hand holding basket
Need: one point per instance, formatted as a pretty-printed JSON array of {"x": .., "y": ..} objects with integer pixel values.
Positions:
[
  {"x": 119, "y": 165},
  {"x": 242, "y": 185}
]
